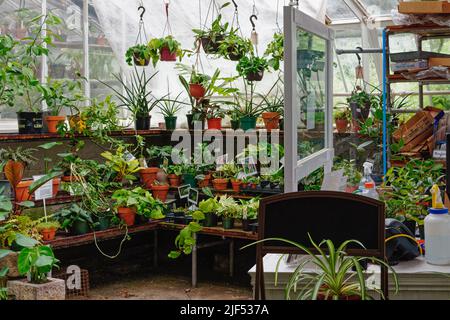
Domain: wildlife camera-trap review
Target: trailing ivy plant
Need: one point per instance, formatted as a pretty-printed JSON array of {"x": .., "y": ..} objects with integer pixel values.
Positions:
[
  {"x": 185, "y": 241},
  {"x": 275, "y": 51}
]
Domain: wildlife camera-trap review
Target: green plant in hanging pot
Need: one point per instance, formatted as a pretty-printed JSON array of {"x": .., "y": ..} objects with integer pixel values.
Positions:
[
  {"x": 275, "y": 51},
  {"x": 252, "y": 67},
  {"x": 212, "y": 37},
  {"x": 234, "y": 47},
  {"x": 165, "y": 49},
  {"x": 139, "y": 55},
  {"x": 169, "y": 108}
]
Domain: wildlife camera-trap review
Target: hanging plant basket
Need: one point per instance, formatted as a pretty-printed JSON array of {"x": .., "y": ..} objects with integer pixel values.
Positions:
[
  {"x": 211, "y": 46},
  {"x": 197, "y": 90},
  {"x": 167, "y": 56},
  {"x": 255, "y": 76},
  {"x": 140, "y": 62},
  {"x": 233, "y": 56}
]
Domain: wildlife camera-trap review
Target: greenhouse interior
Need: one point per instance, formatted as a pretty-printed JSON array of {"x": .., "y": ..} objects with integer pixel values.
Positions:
[{"x": 224, "y": 150}]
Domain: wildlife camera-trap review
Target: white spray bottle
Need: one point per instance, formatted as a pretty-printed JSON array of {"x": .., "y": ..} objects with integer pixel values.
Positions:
[{"x": 368, "y": 167}]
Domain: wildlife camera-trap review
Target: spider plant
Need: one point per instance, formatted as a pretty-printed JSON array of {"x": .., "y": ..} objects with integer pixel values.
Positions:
[{"x": 333, "y": 277}]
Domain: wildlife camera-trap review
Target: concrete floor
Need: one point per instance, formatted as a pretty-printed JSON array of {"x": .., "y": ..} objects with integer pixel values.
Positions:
[{"x": 167, "y": 287}]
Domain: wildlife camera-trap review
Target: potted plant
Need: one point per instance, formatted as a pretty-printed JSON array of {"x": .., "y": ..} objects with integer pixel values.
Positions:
[
  {"x": 211, "y": 38},
  {"x": 138, "y": 54},
  {"x": 248, "y": 213},
  {"x": 214, "y": 116},
  {"x": 335, "y": 275},
  {"x": 273, "y": 107},
  {"x": 236, "y": 184},
  {"x": 174, "y": 173},
  {"x": 234, "y": 47},
  {"x": 137, "y": 98},
  {"x": 248, "y": 108},
  {"x": 189, "y": 174},
  {"x": 169, "y": 108},
  {"x": 234, "y": 117},
  {"x": 125, "y": 169},
  {"x": 48, "y": 229},
  {"x": 208, "y": 208},
  {"x": 13, "y": 163},
  {"x": 252, "y": 68},
  {"x": 60, "y": 94},
  {"x": 351, "y": 172},
  {"x": 204, "y": 180},
  {"x": 228, "y": 210},
  {"x": 125, "y": 204},
  {"x": 275, "y": 51},
  {"x": 37, "y": 261},
  {"x": 220, "y": 182},
  {"x": 198, "y": 84},
  {"x": 77, "y": 219},
  {"x": 164, "y": 49},
  {"x": 160, "y": 190},
  {"x": 342, "y": 119}
]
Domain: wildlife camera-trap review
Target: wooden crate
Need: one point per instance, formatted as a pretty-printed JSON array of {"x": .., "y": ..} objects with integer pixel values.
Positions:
[{"x": 424, "y": 7}]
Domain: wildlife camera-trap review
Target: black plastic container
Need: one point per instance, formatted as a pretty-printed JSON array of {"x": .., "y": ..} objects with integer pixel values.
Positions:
[
  {"x": 30, "y": 122},
  {"x": 190, "y": 121},
  {"x": 142, "y": 122}
]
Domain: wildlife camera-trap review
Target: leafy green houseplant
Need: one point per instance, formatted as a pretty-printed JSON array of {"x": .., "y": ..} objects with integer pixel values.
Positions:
[
  {"x": 174, "y": 173},
  {"x": 37, "y": 261},
  {"x": 275, "y": 51},
  {"x": 125, "y": 169},
  {"x": 76, "y": 218},
  {"x": 209, "y": 208},
  {"x": 273, "y": 106},
  {"x": 228, "y": 209},
  {"x": 169, "y": 108},
  {"x": 48, "y": 229},
  {"x": 139, "y": 55},
  {"x": 164, "y": 49},
  {"x": 342, "y": 119},
  {"x": 252, "y": 67},
  {"x": 248, "y": 212},
  {"x": 136, "y": 98},
  {"x": 234, "y": 47},
  {"x": 212, "y": 37},
  {"x": 186, "y": 240},
  {"x": 332, "y": 277}
]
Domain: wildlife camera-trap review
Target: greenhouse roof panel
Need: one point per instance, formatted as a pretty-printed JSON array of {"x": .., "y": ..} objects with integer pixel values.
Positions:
[{"x": 338, "y": 10}]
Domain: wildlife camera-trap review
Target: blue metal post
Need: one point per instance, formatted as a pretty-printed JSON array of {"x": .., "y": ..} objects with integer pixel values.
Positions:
[{"x": 385, "y": 133}]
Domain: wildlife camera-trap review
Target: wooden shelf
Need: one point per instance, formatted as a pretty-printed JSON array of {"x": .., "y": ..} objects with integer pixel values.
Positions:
[
  {"x": 216, "y": 231},
  {"x": 398, "y": 78}
]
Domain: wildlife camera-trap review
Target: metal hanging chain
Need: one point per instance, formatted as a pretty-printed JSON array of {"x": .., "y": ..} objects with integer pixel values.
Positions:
[
  {"x": 167, "y": 26},
  {"x": 255, "y": 10},
  {"x": 236, "y": 18},
  {"x": 276, "y": 19},
  {"x": 142, "y": 32}
]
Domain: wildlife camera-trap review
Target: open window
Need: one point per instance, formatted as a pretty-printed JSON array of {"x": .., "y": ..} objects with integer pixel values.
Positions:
[{"x": 308, "y": 96}]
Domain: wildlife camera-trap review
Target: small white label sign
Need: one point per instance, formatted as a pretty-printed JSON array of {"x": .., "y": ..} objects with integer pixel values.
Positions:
[{"x": 44, "y": 192}]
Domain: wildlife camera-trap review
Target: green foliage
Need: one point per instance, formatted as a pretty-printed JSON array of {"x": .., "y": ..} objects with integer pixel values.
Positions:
[
  {"x": 185, "y": 241},
  {"x": 209, "y": 206},
  {"x": 233, "y": 44},
  {"x": 155, "y": 45},
  {"x": 16, "y": 227},
  {"x": 350, "y": 171},
  {"x": 37, "y": 261},
  {"x": 67, "y": 216},
  {"x": 63, "y": 93},
  {"x": 169, "y": 108},
  {"x": 228, "y": 207},
  {"x": 6, "y": 205},
  {"x": 248, "y": 209},
  {"x": 248, "y": 65},
  {"x": 275, "y": 51},
  {"x": 48, "y": 225},
  {"x": 345, "y": 114},
  {"x": 19, "y": 154},
  {"x": 140, "y": 52},
  {"x": 125, "y": 169},
  {"x": 441, "y": 102},
  {"x": 141, "y": 200},
  {"x": 217, "y": 32},
  {"x": 332, "y": 277}
]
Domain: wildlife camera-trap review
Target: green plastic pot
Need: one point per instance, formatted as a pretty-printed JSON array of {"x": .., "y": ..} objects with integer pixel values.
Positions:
[
  {"x": 104, "y": 223},
  {"x": 190, "y": 179},
  {"x": 171, "y": 123},
  {"x": 80, "y": 227},
  {"x": 248, "y": 123},
  {"x": 228, "y": 223},
  {"x": 234, "y": 124},
  {"x": 210, "y": 220}
]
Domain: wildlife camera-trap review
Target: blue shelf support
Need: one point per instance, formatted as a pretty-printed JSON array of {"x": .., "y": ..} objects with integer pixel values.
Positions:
[{"x": 385, "y": 88}]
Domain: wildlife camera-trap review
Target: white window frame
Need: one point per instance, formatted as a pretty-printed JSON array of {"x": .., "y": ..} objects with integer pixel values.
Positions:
[{"x": 296, "y": 170}]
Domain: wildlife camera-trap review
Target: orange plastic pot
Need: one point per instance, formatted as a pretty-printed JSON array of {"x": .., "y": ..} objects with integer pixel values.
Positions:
[
  {"x": 53, "y": 121},
  {"x": 220, "y": 184},
  {"x": 205, "y": 182},
  {"x": 128, "y": 215},
  {"x": 166, "y": 55},
  {"x": 236, "y": 184},
  {"x": 197, "y": 91},
  {"x": 215, "y": 123},
  {"x": 56, "y": 183},
  {"x": 148, "y": 175},
  {"x": 341, "y": 125},
  {"x": 271, "y": 120},
  {"x": 160, "y": 192},
  {"x": 48, "y": 234},
  {"x": 174, "y": 180},
  {"x": 22, "y": 191}
]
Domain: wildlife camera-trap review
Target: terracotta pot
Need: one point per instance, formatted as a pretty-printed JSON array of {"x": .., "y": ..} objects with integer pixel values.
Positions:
[
  {"x": 215, "y": 123},
  {"x": 253, "y": 185},
  {"x": 48, "y": 234},
  {"x": 174, "y": 180},
  {"x": 160, "y": 192},
  {"x": 56, "y": 183},
  {"x": 167, "y": 56},
  {"x": 69, "y": 179},
  {"x": 236, "y": 184},
  {"x": 53, "y": 121},
  {"x": 128, "y": 215},
  {"x": 197, "y": 91},
  {"x": 341, "y": 125},
  {"x": 205, "y": 182},
  {"x": 22, "y": 191},
  {"x": 148, "y": 175},
  {"x": 271, "y": 120},
  {"x": 220, "y": 184}
]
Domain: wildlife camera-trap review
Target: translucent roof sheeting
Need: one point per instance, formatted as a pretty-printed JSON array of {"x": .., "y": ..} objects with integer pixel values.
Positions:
[
  {"x": 338, "y": 10},
  {"x": 379, "y": 7}
]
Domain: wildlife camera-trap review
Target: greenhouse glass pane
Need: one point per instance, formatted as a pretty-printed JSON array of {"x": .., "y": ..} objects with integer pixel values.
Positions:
[
  {"x": 338, "y": 10},
  {"x": 379, "y": 7}
]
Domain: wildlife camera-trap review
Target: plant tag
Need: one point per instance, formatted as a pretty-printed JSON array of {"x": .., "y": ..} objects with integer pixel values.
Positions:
[
  {"x": 44, "y": 192},
  {"x": 193, "y": 196},
  {"x": 128, "y": 156},
  {"x": 254, "y": 38},
  {"x": 183, "y": 191}
]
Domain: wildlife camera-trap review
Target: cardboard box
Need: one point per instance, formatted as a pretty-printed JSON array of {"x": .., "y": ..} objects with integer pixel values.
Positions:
[
  {"x": 424, "y": 7},
  {"x": 421, "y": 122},
  {"x": 439, "y": 62}
]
